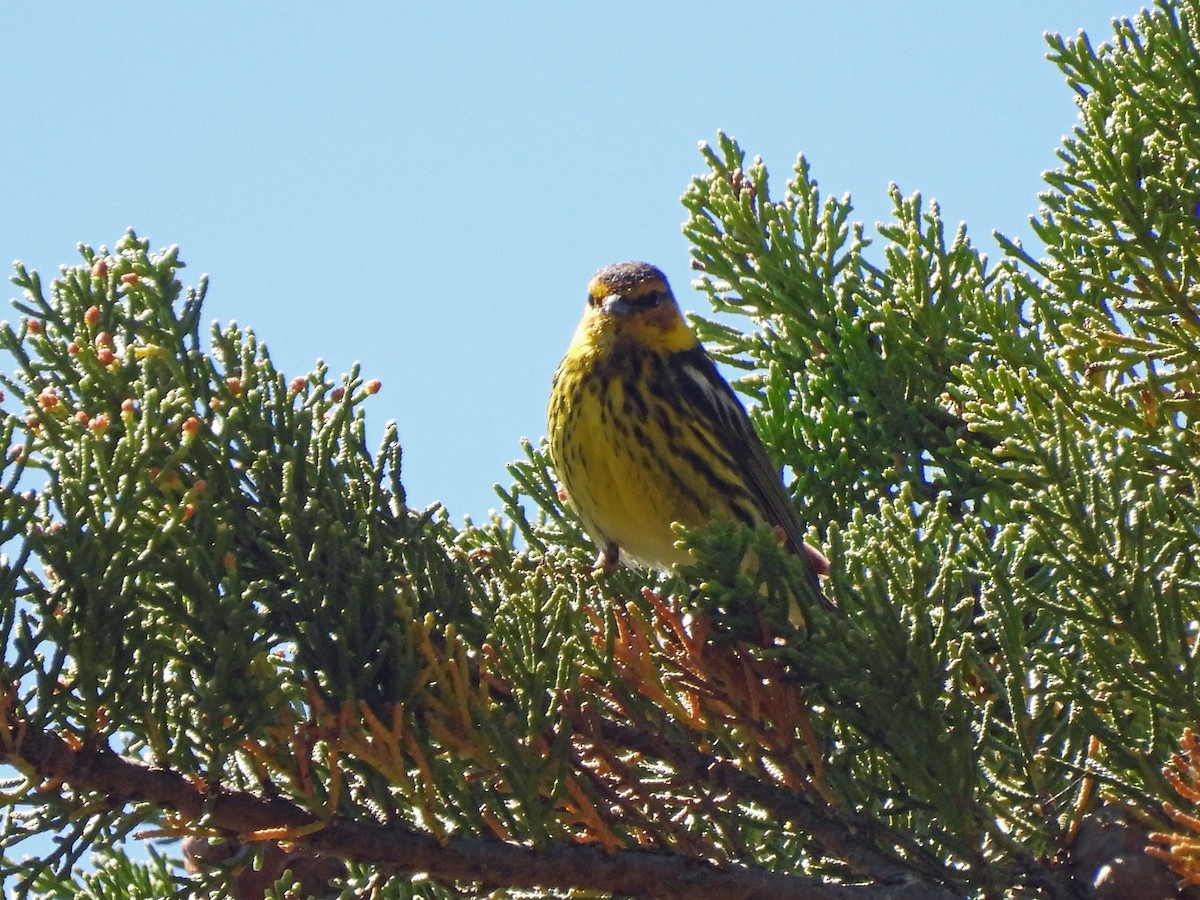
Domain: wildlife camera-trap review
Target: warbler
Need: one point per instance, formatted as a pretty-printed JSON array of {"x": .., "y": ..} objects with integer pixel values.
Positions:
[{"x": 644, "y": 432}]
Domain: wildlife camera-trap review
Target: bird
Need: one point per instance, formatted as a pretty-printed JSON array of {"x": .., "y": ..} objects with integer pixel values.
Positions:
[{"x": 644, "y": 432}]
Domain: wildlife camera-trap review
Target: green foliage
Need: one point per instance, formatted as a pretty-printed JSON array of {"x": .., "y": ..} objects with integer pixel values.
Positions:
[
  {"x": 1026, "y": 432},
  {"x": 211, "y": 572},
  {"x": 114, "y": 877},
  {"x": 208, "y": 570}
]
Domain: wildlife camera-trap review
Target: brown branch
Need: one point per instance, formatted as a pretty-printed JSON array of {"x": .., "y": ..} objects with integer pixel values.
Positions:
[
  {"x": 486, "y": 861},
  {"x": 847, "y": 840}
]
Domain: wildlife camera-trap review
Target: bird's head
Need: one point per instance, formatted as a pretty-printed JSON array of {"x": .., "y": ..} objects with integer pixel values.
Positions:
[{"x": 631, "y": 301}]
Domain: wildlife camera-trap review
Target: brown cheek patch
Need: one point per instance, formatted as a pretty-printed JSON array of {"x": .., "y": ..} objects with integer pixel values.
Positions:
[{"x": 664, "y": 317}]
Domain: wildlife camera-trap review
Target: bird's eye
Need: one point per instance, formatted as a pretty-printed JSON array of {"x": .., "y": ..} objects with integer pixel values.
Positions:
[{"x": 652, "y": 299}]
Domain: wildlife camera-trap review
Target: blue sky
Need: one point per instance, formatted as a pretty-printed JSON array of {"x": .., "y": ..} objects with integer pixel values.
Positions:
[{"x": 426, "y": 188}]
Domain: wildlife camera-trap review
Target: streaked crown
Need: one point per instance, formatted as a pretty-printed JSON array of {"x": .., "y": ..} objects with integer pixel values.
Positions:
[{"x": 631, "y": 281}]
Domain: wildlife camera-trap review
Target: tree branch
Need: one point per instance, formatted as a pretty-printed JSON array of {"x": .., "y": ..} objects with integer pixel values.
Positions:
[
  {"x": 486, "y": 861},
  {"x": 847, "y": 841}
]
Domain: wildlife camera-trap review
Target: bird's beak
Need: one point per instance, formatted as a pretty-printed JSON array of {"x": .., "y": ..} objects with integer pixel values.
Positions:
[{"x": 616, "y": 305}]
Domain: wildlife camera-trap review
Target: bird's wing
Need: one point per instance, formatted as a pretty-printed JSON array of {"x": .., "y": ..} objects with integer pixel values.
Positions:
[{"x": 706, "y": 388}]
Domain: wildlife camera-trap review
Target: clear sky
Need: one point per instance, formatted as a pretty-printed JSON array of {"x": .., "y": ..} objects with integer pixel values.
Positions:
[{"x": 426, "y": 188}]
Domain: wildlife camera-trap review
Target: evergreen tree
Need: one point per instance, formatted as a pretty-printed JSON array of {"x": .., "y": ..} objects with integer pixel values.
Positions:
[{"x": 223, "y": 623}]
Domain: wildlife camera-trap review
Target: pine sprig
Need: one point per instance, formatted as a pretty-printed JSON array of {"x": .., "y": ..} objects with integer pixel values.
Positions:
[{"x": 856, "y": 361}]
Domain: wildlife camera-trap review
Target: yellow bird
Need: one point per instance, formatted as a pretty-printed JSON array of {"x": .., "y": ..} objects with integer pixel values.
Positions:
[{"x": 645, "y": 432}]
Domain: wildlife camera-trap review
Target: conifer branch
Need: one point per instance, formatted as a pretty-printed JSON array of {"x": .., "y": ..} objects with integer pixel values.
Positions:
[
  {"x": 482, "y": 861},
  {"x": 846, "y": 839}
]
